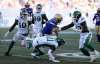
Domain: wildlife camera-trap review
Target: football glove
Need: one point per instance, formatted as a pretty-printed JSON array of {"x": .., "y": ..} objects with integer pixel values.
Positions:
[
  {"x": 6, "y": 34},
  {"x": 60, "y": 41}
]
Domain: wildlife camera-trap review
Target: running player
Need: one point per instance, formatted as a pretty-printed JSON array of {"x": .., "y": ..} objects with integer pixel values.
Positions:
[
  {"x": 23, "y": 30},
  {"x": 85, "y": 35}
]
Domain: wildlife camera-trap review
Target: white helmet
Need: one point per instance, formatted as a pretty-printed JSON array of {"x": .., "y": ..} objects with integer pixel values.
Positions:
[{"x": 38, "y": 7}]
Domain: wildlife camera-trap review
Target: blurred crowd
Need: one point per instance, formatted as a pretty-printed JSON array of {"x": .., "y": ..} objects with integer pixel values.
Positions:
[{"x": 57, "y": 4}]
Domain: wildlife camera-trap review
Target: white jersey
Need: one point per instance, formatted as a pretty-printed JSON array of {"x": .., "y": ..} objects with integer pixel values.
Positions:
[
  {"x": 38, "y": 20},
  {"x": 78, "y": 23},
  {"x": 22, "y": 25}
]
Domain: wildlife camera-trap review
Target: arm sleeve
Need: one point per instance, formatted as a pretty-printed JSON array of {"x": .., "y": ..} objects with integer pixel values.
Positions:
[
  {"x": 45, "y": 19},
  {"x": 84, "y": 27},
  {"x": 67, "y": 26},
  {"x": 13, "y": 26},
  {"x": 94, "y": 17}
]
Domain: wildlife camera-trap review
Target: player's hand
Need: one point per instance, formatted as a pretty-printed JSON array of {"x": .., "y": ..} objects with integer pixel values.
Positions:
[{"x": 6, "y": 34}]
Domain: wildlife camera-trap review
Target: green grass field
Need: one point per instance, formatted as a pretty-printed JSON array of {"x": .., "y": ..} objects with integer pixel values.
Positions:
[{"x": 22, "y": 55}]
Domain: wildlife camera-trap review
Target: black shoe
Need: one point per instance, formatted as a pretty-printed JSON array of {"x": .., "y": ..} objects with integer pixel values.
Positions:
[
  {"x": 7, "y": 54},
  {"x": 40, "y": 53}
]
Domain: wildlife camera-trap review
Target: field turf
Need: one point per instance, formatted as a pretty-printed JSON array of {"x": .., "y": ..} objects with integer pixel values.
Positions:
[{"x": 22, "y": 55}]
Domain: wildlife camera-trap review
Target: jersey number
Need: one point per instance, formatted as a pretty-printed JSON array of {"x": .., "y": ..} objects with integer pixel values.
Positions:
[
  {"x": 37, "y": 18},
  {"x": 78, "y": 26},
  {"x": 22, "y": 25}
]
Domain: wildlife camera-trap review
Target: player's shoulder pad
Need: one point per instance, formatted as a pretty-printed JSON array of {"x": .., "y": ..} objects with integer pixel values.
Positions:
[
  {"x": 22, "y": 9},
  {"x": 43, "y": 13},
  {"x": 81, "y": 19}
]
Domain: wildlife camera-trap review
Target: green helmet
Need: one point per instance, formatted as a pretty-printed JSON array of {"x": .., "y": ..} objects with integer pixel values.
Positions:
[{"x": 76, "y": 14}]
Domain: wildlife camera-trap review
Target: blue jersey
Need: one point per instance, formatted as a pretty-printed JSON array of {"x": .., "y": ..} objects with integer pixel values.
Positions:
[
  {"x": 49, "y": 26},
  {"x": 97, "y": 18},
  {"x": 29, "y": 10}
]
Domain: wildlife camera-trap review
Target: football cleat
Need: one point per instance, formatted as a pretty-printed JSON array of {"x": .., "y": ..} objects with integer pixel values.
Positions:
[
  {"x": 96, "y": 53},
  {"x": 92, "y": 58},
  {"x": 54, "y": 60},
  {"x": 34, "y": 56},
  {"x": 7, "y": 54}
]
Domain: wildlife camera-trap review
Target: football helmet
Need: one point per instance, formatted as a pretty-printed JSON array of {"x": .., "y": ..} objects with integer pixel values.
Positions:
[
  {"x": 76, "y": 14},
  {"x": 38, "y": 7},
  {"x": 58, "y": 18},
  {"x": 27, "y": 5}
]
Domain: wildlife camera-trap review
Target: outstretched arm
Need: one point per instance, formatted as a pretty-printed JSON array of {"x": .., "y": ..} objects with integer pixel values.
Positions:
[
  {"x": 67, "y": 26},
  {"x": 12, "y": 27},
  {"x": 94, "y": 18}
]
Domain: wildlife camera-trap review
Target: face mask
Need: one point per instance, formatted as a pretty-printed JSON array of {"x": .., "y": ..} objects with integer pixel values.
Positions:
[{"x": 38, "y": 9}]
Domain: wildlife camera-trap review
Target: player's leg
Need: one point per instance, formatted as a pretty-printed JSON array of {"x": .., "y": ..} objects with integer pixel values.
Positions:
[
  {"x": 51, "y": 55},
  {"x": 37, "y": 42},
  {"x": 52, "y": 42},
  {"x": 87, "y": 40},
  {"x": 9, "y": 48},
  {"x": 98, "y": 33},
  {"x": 88, "y": 44},
  {"x": 38, "y": 51},
  {"x": 23, "y": 44},
  {"x": 83, "y": 48},
  {"x": 12, "y": 44}
]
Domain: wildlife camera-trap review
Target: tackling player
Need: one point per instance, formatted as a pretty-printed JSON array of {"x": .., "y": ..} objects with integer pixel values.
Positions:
[
  {"x": 50, "y": 32},
  {"x": 97, "y": 18},
  {"x": 23, "y": 30},
  {"x": 85, "y": 36}
]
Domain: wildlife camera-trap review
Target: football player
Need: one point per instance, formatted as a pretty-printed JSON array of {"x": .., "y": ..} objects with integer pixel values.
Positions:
[
  {"x": 27, "y": 8},
  {"x": 97, "y": 18},
  {"x": 50, "y": 38},
  {"x": 39, "y": 18},
  {"x": 30, "y": 14},
  {"x": 23, "y": 30},
  {"x": 85, "y": 35}
]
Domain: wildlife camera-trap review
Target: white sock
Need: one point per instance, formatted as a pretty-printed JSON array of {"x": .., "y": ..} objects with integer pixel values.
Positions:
[{"x": 50, "y": 55}]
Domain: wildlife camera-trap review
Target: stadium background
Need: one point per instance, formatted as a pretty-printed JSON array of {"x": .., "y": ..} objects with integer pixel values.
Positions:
[{"x": 10, "y": 9}]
